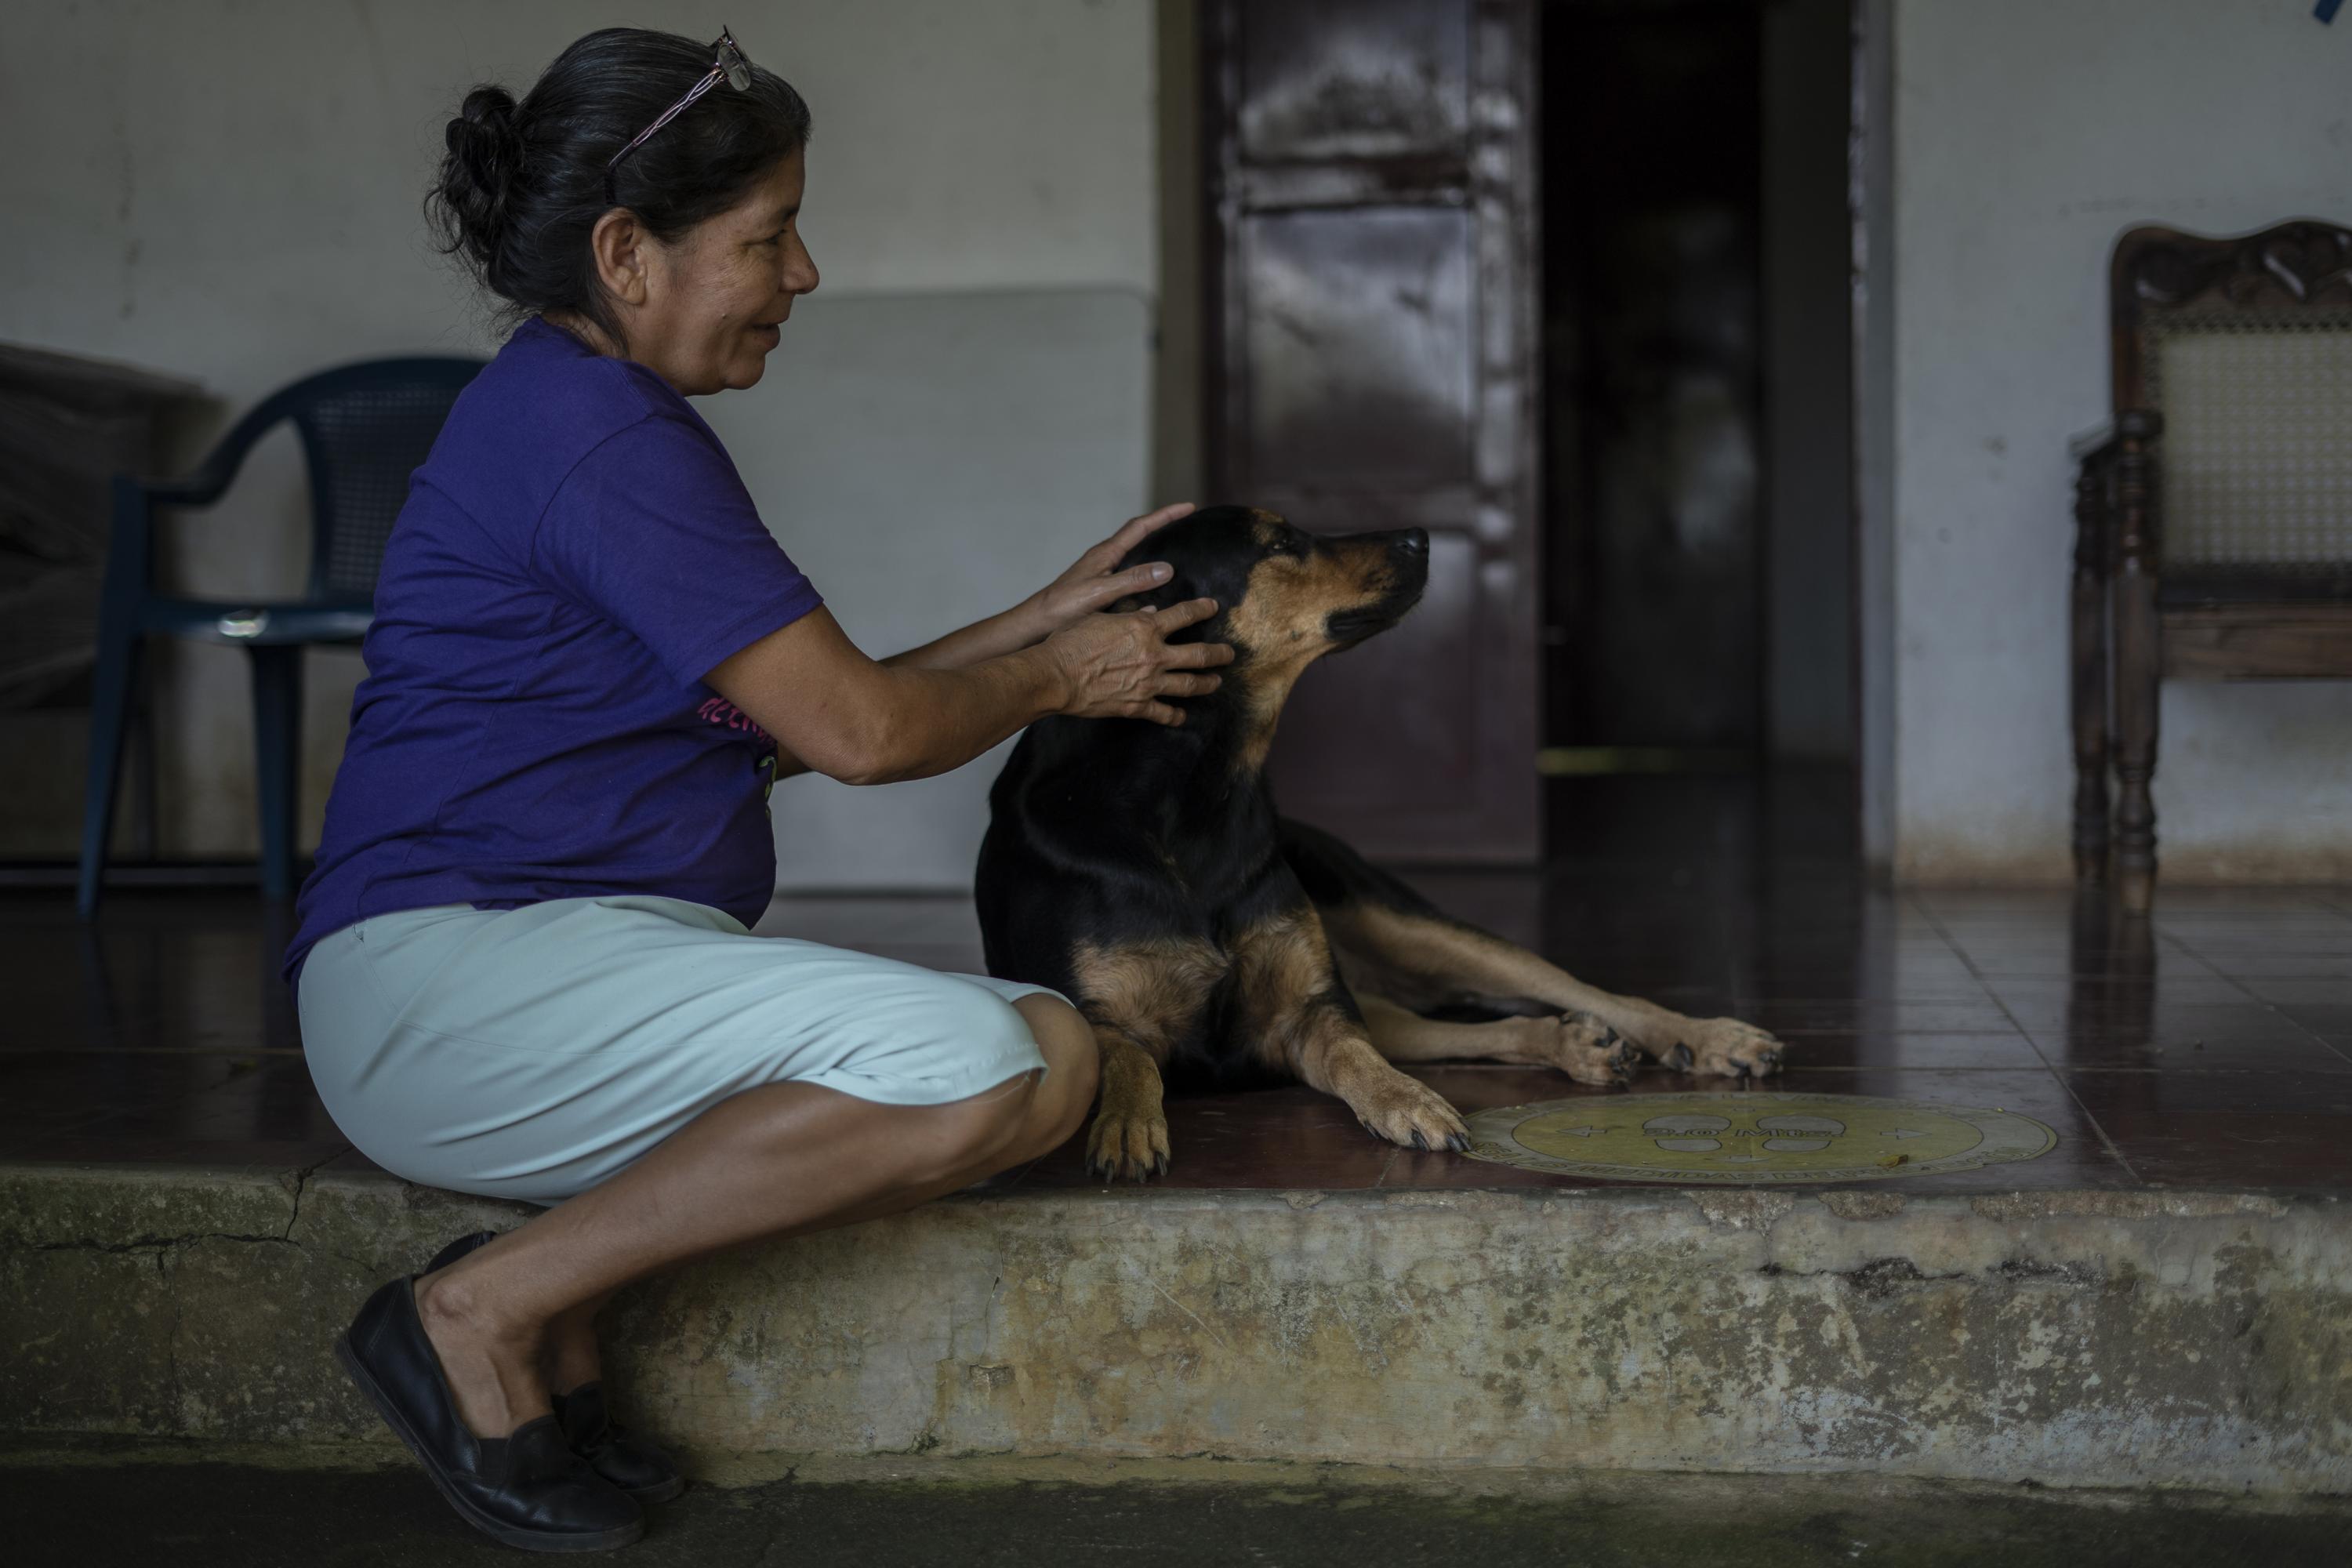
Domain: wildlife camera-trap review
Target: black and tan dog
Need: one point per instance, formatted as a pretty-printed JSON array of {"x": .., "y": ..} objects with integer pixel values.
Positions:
[{"x": 1141, "y": 870}]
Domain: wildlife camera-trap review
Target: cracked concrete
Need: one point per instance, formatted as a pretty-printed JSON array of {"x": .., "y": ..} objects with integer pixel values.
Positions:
[{"x": 2169, "y": 1339}]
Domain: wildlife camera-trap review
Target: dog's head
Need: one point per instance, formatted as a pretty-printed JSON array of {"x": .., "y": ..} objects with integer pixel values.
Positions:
[{"x": 1285, "y": 597}]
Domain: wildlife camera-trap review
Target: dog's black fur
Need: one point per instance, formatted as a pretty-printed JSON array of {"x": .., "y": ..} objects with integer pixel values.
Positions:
[
  {"x": 1142, "y": 870},
  {"x": 1116, "y": 831}
]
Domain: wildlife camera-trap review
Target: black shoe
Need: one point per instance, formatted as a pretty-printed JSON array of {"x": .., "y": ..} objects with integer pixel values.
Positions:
[
  {"x": 527, "y": 1489},
  {"x": 622, "y": 1457},
  {"x": 626, "y": 1460}
]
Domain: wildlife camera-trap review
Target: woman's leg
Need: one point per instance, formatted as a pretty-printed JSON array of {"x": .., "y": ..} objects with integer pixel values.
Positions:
[{"x": 781, "y": 1160}]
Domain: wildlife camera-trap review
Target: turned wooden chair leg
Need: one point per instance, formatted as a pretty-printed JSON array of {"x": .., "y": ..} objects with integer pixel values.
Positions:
[
  {"x": 2138, "y": 662},
  {"x": 2090, "y": 673}
]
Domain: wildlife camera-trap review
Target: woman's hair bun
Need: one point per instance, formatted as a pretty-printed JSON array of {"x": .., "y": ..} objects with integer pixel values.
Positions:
[
  {"x": 477, "y": 174},
  {"x": 486, "y": 119}
]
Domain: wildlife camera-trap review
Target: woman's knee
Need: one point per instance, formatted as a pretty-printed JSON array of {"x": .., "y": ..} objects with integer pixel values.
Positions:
[
  {"x": 1073, "y": 1065},
  {"x": 983, "y": 1133},
  {"x": 1024, "y": 1118}
]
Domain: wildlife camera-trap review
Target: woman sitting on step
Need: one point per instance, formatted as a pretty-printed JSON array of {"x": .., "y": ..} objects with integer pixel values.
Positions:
[{"x": 523, "y": 966}]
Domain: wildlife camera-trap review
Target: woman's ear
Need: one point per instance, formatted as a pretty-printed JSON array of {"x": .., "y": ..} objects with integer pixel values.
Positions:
[{"x": 619, "y": 245}]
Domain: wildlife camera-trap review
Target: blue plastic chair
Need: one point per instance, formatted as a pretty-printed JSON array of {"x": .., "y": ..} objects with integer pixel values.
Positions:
[{"x": 365, "y": 428}]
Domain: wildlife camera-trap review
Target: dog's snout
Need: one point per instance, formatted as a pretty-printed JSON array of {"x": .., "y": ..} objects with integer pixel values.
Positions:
[{"x": 1413, "y": 542}]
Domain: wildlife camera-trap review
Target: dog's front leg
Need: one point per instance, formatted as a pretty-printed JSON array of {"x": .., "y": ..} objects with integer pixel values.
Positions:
[
  {"x": 1303, "y": 1019},
  {"x": 1333, "y": 1054},
  {"x": 1129, "y": 1136}
]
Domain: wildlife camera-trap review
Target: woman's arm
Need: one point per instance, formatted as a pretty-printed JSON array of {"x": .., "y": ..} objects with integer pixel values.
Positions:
[
  {"x": 1008, "y": 631},
  {"x": 853, "y": 719},
  {"x": 1090, "y": 584}
]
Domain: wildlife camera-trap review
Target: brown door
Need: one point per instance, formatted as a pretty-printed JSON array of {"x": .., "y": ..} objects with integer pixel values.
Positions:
[{"x": 1371, "y": 364}]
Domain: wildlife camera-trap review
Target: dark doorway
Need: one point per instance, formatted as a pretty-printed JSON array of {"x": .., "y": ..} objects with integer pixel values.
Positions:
[
  {"x": 1651, "y": 195},
  {"x": 1695, "y": 525},
  {"x": 1565, "y": 282}
]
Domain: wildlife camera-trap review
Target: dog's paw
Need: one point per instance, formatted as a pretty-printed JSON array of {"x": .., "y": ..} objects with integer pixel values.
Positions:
[
  {"x": 1405, "y": 1110},
  {"x": 1726, "y": 1047},
  {"x": 1128, "y": 1145},
  {"x": 1585, "y": 1048}
]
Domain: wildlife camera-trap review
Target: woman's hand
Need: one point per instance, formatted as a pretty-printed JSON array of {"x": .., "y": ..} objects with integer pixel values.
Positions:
[
  {"x": 1091, "y": 583},
  {"x": 1120, "y": 666}
]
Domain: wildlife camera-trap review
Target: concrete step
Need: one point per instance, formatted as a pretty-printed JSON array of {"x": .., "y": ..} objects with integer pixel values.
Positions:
[{"x": 2091, "y": 1339}]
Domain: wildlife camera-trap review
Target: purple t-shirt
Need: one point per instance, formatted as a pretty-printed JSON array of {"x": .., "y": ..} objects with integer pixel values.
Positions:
[{"x": 576, "y": 552}]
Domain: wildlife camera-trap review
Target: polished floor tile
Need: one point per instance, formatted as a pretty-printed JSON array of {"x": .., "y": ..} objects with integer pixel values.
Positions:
[
  {"x": 237, "y": 1100},
  {"x": 2276, "y": 965},
  {"x": 2084, "y": 1156},
  {"x": 2042, "y": 997},
  {"x": 2302, "y": 992},
  {"x": 210, "y": 1148},
  {"x": 51, "y": 1092},
  {"x": 2208, "y": 1051},
  {"x": 2021, "y": 954},
  {"x": 2323, "y": 1018},
  {"x": 2207, "y": 1045},
  {"x": 1881, "y": 1050},
  {"x": 2272, "y": 1132},
  {"x": 1817, "y": 1015},
  {"x": 1290, "y": 1137}
]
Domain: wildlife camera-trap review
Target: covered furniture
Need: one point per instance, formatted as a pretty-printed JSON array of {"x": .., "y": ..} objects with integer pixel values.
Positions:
[
  {"x": 2215, "y": 514},
  {"x": 363, "y": 428},
  {"x": 69, "y": 423}
]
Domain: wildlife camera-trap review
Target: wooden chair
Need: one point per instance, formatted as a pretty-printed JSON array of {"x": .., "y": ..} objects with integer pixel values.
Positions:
[{"x": 2213, "y": 515}]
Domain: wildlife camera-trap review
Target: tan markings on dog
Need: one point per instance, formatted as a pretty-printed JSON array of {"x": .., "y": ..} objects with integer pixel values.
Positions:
[
  {"x": 1419, "y": 962},
  {"x": 1293, "y": 1024},
  {"x": 1580, "y": 1046},
  {"x": 1335, "y": 1056},
  {"x": 1281, "y": 623},
  {"x": 1130, "y": 1135},
  {"x": 1281, "y": 963},
  {"x": 1150, "y": 989}
]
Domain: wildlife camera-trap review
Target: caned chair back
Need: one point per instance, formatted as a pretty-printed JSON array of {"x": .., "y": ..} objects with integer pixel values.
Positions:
[{"x": 2244, "y": 347}]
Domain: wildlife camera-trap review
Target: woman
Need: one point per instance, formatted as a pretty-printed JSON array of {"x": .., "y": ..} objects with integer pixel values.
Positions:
[{"x": 523, "y": 965}]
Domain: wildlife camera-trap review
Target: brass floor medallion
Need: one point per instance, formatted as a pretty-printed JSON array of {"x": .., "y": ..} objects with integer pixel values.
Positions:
[{"x": 1755, "y": 1136}]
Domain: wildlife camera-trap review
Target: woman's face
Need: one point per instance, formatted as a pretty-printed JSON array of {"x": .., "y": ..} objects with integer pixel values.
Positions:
[{"x": 714, "y": 300}]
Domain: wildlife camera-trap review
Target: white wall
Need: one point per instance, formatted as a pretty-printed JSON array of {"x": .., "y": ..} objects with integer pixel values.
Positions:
[
  {"x": 230, "y": 192},
  {"x": 934, "y": 458},
  {"x": 2028, "y": 135},
  {"x": 1871, "y": 175}
]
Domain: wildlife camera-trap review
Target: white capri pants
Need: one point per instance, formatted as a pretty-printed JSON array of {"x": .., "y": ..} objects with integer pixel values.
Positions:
[{"x": 531, "y": 1053}]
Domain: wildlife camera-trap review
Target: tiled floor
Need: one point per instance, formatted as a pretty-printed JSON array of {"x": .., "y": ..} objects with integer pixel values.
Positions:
[{"x": 2210, "y": 1047}]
